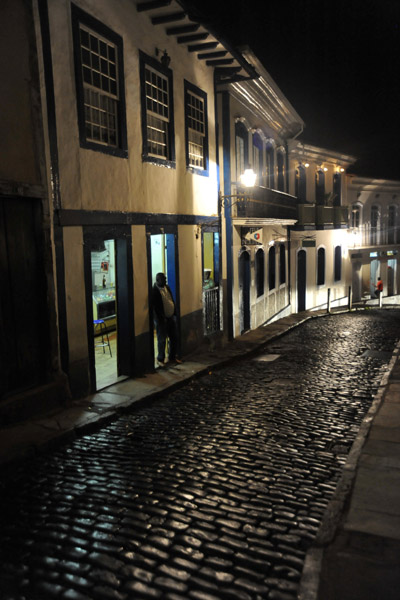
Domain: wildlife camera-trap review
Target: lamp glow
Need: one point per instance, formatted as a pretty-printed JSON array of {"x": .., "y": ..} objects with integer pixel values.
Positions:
[{"x": 248, "y": 178}]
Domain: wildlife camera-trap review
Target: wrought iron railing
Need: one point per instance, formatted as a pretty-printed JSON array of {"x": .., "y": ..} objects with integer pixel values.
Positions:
[
  {"x": 264, "y": 203},
  {"x": 211, "y": 310},
  {"x": 367, "y": 235},
  {"x": 323, "y": 216}
]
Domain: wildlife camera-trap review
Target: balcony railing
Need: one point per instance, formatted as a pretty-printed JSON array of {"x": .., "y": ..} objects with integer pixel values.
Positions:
[
  {"x": 264, "y": 203},
  {"x": 367, "y": 235},
  {"x": 323, "y": 217},
  {"x": 211, "y": 310}
]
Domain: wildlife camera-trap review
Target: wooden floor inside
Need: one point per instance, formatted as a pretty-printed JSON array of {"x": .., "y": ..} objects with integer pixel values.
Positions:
[{"x": 106, "y": 363}]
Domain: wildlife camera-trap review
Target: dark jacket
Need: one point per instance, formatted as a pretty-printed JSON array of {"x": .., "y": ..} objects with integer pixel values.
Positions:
[{"x": 157, "y": 303}]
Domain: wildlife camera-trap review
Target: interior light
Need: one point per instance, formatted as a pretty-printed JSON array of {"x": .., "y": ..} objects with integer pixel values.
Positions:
[
  {"x": 325, "y": 168},
  {"x": 341, "y": 169},
  {"x": 307, "y": 165},
  {"x": 248, "y": 178}
]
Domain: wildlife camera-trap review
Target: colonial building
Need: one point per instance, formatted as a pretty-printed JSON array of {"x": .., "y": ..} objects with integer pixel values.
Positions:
[
  {"x": 319, "y": 254},
  {"x": 373, "y": 235},
  {"x": 256, "y": 124},
  {"x": 109, "y": 169}
]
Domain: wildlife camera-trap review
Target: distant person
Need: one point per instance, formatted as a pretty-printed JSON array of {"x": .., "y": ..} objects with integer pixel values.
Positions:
[
  {"x": 164, "y": 314},
  {"x": 208, "y": 282},
  {"x": 379, "y": 288}
]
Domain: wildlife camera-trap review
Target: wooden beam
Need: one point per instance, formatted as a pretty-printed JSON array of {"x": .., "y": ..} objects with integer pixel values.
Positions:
[
  {"x": 170, "y": 18},
  {"x": 218, "y": 54},
  {"x": 183, "y": 29},
  {"x": 185, "y": 39},
  {"x": 152, "y": 5},
  {"x": 198, "y": 47},
  {"x": 219, "y": 61},
  {"x": 227, "y": 70}
]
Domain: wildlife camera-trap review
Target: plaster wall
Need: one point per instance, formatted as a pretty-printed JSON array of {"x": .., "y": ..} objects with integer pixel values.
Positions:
[
  {"x": 75, "y": 297},
  {"x": 190, "y": 269},
  {"x": 140, "y": 287},
  {"x": 316, "y": 295},
  {"x": 92, "y": 180},
  {"x": 267, "y": 305},
  {"x": 18, "y": 150}
]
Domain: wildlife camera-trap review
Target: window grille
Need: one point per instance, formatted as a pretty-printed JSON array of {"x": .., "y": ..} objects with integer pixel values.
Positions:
[{"x": 100, "y": 84}]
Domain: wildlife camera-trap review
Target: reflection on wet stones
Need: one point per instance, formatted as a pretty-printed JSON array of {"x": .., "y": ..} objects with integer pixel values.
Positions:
[{"x": 216, "y": 491}]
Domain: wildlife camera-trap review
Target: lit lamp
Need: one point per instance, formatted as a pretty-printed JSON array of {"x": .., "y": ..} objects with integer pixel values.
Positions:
[{"x": 248, "y": 178}]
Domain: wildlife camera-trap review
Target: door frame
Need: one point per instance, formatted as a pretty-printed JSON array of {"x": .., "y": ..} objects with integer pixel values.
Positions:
[
  {"x": 125, "y": 321},
  {"x": 158, "y": 230}
]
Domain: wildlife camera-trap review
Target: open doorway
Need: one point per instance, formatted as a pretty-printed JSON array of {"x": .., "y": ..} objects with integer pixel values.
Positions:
[
  {"x": 109, "y": 301},
  {"x": 102, "y": 261},
  {"x": 162, "y": 253}
]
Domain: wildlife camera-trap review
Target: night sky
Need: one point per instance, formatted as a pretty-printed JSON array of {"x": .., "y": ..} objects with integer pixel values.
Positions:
[{"x": 338, "y": 64}]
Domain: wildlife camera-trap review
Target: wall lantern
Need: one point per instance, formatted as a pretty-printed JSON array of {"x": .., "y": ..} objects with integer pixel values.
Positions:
[
  {"x": 165, "y": 58},
  {"x": 248, "y": 178}
]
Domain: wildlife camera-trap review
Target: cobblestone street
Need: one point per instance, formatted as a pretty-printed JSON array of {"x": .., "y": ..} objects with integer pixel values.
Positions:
[{"x": 214, "y": 492}]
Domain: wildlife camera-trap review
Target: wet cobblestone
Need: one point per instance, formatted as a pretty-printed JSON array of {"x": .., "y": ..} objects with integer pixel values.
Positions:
[{"x": 214, "y": 492}]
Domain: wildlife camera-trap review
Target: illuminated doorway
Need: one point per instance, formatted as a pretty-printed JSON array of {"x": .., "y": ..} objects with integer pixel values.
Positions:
[
  {"x": 109, "y": 302},
  {"x": 162, "y": 260}
]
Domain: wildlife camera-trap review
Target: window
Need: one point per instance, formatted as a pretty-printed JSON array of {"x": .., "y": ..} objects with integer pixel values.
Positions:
[
  {"x": 338, "y": 263},
  {"x": 99, "y": 85},
  {"x": 281, "y": 171},
  {"x": 157, "y": 112},
  {"x": 242, "y": 148},
  {"x": 271, "y": 268},
  {"x": 260, "y": 272},
  {"x": 374, "y": 224},
  {"x": 196, "y": 129},
  {"x": 258, "y": 157},
  {"x": 270, "y": 166},
  {"x": 321, "y": 267},
  {"x": 282, "y": 264},
  {"x": 300, "y": 183},
  {"x": 392, "y": 233},
  {"x": 355, "y": 216},
  {"x": 320, "y": 187},
  {"x": 337, "y": 189}
]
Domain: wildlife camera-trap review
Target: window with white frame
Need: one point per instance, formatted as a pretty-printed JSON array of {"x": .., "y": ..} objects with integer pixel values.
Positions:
[
  {"x": 196, "y": 129},
  {"x": 157, "y": 111},
  {"x": 100, "y": 85}
]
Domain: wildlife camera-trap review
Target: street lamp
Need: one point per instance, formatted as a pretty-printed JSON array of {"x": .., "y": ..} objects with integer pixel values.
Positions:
[{"x": 247, "y": 180}]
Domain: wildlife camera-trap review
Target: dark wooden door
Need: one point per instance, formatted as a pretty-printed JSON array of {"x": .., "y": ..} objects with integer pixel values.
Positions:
[
  {"x": 24, "y": 329},
  {"x": 301, "y": 280},
  {"x": 244, "y": 285}
]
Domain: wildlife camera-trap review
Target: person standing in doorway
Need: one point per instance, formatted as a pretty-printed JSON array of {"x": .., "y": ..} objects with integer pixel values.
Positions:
[
  {"x": 379, "y": 288},
  {"x": 164, "y": 314}
]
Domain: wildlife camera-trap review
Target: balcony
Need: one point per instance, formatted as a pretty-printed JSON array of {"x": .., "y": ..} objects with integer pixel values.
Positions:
[
  {"x": 264, "y": 203},
  {"x": 366, "y": 236},
  {"x": 315, "y": 216}
]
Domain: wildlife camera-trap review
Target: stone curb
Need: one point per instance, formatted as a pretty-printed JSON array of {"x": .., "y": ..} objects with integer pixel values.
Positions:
[{"x": 335, "y": 512}]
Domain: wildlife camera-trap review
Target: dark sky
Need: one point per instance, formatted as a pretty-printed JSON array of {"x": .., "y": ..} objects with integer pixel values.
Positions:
[{"x": 338, "y": 64}]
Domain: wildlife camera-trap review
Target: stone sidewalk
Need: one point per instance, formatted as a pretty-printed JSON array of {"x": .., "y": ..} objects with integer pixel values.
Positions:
[{"x": 356, "y": 554}]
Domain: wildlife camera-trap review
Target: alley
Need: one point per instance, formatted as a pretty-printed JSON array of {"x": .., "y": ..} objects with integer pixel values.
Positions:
[{"x": 213, "y": 492}]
